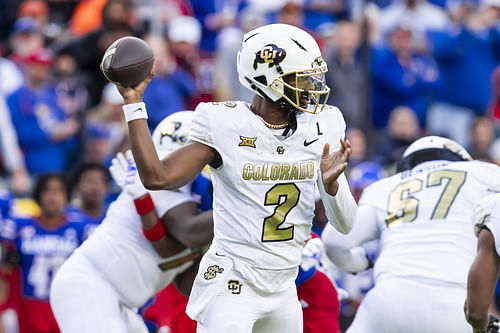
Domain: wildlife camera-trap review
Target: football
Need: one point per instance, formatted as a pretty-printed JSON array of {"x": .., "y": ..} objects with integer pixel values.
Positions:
[{"x": 127, "y": 61}]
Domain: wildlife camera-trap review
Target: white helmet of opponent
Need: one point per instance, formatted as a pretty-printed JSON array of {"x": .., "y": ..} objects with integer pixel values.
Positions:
[
  {"x": 432, "y": 148},
  {"x": 271, "y": 54},
  {"x": 172, "y": 132}
]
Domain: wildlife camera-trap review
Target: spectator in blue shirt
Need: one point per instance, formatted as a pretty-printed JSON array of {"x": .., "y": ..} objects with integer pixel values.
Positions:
[
  {"x": 171, "y": 87},
  {"x": 466, "y": 55},
  {"x": 401, "y": 131},
  {"x": 213, "y": 16},
  {"x": 45, "y": 132},
  {"x": 318, "y": 12},
  {"x": 105, "y": 130},
  {"x": 400, "y": 77},
  {"x": 90, "y": 188},
  {"x": 43, "y": 243}
]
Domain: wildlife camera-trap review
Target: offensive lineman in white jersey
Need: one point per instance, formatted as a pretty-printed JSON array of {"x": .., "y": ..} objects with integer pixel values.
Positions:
[
  {"x": 265, "y": 161},
  {"x": 484, "y": 272},
  {"x": 421, "y": 216},
  {"x": 120, "y": 267}
]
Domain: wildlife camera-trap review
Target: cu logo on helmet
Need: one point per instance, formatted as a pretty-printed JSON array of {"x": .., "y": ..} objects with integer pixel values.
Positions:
[{"x": 269, "y": 54}]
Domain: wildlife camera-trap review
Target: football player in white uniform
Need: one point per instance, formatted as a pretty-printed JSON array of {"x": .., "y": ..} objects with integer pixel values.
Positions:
[
  {"x": 119, "y": 267},
  {"x": 483, "y": 274},
  {"x": 421, "y": 216},
  {"x": 265, "y": 161}
]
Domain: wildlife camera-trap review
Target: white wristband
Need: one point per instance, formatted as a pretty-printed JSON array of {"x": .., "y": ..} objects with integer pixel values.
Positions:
[{"x": 135, "y": 111}]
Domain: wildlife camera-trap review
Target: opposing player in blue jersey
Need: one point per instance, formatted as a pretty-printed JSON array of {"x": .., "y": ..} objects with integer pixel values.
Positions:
[
  {"x": 43, "y": 243},
  {"x": 130, "y": 256},
  {"x": 89, "y": 185}
]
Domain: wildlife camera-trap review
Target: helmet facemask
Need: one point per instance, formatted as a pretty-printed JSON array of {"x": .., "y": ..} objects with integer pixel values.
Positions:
[{"x": 304, "y": 90}]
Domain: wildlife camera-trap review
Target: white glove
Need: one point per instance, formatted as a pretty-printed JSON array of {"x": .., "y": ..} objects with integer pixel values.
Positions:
[
  {"x": 124, "y": 172},
  {"x": 342, "y": 294},
  {"x": 483, "y": 210},
  {"x": 311, "y": 253}
]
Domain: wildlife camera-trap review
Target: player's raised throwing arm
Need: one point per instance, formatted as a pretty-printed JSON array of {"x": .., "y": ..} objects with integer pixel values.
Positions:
[{"x": 180, "y": 167}]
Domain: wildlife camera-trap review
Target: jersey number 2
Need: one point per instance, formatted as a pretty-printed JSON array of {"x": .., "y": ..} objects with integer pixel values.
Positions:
[
  {"x": 401, "y": 210},
  {"x": 285, "y": 196}
]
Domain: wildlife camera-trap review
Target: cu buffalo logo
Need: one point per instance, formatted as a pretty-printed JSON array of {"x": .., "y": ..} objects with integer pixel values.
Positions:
[{"x": 269, "y": 54}]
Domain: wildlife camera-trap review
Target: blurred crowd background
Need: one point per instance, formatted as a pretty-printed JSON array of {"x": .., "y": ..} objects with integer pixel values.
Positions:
[{"x": 398, "y": 70}]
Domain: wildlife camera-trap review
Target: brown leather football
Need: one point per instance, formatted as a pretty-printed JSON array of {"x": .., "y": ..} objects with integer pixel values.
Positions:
[{"x": 127, "y": 61}]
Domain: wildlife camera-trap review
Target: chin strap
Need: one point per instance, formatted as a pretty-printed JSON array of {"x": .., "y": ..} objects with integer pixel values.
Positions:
[
  {"x": 283, "y": 105},
  {"x": 257, "y": 89},
  {"x": 292, "y": 122}
]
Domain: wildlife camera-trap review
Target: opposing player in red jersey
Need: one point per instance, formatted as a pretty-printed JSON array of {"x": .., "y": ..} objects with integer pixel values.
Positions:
[{"x": 316, "y": 292}]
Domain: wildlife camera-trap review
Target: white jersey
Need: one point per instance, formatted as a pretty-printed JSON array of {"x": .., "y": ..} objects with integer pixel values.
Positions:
[
  {"x": 489, "y": 208},
  {"x": 121, "y": 253},
  {"x": 264, "y": 192},
  {"x": 423, "y": 218}
]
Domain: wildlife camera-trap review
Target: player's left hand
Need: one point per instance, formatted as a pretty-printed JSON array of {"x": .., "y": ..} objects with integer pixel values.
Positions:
[{"x": 332, "y": 165}]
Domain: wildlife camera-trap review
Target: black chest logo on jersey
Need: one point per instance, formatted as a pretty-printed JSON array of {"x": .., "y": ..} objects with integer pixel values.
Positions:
[
  {"x": 212, "y": 272},
  {"x": 307, "y": 143},
  {"x": 234, "y": 286},
  {"x": 269, "y": 54},
  {"x": 280, "y": 150},
  {"x": 247, "y": 142}
]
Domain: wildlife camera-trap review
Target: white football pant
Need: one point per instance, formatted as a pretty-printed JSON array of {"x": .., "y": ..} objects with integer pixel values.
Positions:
[
  {"x": 83, "y": 301},
  {"x": 398, "y": 305}
]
